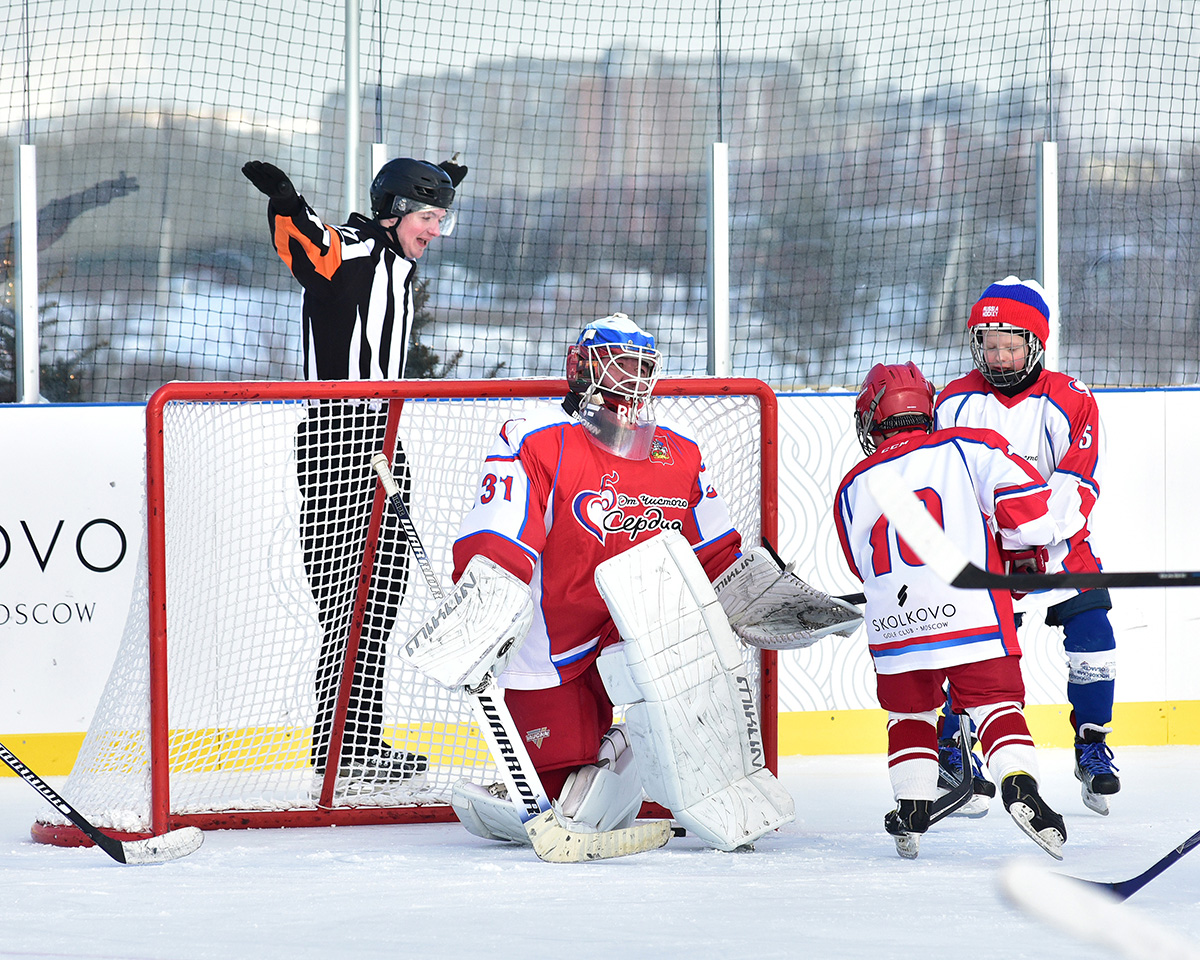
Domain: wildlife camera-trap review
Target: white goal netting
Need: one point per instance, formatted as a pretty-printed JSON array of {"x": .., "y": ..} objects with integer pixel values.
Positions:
[{"x": 231, "y": 717}]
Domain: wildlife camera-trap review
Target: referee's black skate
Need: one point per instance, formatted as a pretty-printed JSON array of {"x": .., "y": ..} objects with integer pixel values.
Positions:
[
  {"x": 1032, "y": 814},
  {"x": 384, "y": 764},
  {"x": 1094, "y": 767},
  {"x": 906, "y": 823}
]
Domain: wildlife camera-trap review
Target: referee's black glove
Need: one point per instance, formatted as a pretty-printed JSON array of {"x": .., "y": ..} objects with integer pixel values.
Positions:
[
  {"x": 456, "y": 171},
  {"x": 270, "y": 180}
]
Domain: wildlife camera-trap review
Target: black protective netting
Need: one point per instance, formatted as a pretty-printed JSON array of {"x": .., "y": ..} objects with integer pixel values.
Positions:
[{"x": 882, "y": 154}]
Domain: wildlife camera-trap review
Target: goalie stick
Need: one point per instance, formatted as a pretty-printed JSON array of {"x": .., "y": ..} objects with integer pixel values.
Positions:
[
  {"x": 160, "y": 849},
  {"x": 551, "y": 841},
  {"x": 921, "y": 532}
]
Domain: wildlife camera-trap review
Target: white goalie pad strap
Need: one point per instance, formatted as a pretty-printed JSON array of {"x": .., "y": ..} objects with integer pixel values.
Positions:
[
  {"x": 606, "y": 795},
  {"x": 476, "y": 630},
  {"x": 773, "y": 608},
  {"x": 486, "y": 815},
  {"x": 694, "y": 723}
]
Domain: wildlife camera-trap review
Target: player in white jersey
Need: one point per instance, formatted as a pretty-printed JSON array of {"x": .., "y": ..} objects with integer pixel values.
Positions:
[
  {"x": 923, "y": 632},
  {"x": 1052, "y": 420}
]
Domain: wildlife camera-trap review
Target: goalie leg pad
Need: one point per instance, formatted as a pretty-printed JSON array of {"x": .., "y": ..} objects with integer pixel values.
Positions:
[
  {"x": 774, "y": 609},
  {"x": 487, "y": 815},
  {"x": 691, "y": 714},
  {"x": 474, "y": 631},
  {"x": 606, "y": 795}
]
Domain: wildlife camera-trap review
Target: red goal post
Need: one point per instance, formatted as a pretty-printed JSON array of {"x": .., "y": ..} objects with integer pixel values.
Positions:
[{"x": 207, "y": 717}]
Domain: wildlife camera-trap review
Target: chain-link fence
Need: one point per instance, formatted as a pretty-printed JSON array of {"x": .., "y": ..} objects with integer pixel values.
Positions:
[{"x": 882, "y": 157}]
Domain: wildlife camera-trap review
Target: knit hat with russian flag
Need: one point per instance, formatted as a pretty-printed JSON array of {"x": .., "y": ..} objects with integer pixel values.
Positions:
[{"x": 1012, "y": 300}]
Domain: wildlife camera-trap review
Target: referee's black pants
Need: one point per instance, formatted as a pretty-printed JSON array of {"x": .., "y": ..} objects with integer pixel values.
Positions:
[{"x": 334, "y": 447}]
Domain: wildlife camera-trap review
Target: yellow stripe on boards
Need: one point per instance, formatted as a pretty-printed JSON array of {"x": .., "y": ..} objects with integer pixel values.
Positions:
[
  {"x": 1157, "y": 723},
  {"x": 209, "y": 750}
]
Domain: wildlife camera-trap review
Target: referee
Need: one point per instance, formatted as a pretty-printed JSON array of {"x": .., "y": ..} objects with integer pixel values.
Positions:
[{"x": 357, "y": 320}]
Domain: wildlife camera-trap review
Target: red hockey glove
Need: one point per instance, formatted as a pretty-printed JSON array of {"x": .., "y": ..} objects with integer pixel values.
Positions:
[{"x": 1030, "y": 560}]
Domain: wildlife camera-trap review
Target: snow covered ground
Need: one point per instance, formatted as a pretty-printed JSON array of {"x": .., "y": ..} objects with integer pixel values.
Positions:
[{"x": 828, "y": 886}]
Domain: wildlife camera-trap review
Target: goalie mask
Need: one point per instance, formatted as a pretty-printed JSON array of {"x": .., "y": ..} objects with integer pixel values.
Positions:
[
  {"x": 611, "y": 373},
  {"x": 1008, "y": 329},
  {"x": 894, "y": 396}
]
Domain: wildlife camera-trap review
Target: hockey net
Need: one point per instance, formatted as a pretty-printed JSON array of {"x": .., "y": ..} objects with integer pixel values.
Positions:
[{"x": 207, "y": 718}]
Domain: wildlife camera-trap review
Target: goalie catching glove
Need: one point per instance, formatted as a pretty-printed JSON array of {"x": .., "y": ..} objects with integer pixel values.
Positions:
[
  {"x": 476, "y": 630},
  {"x": 772, "y": 608}
]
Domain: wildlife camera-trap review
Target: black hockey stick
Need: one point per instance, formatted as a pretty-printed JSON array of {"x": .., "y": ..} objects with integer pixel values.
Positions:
[
  {"x": 965, "y": 789},
  {"x": 921, "y": 532},
  {"x": 168, "y": 846},
  {"x": 1124, "y": 888}
]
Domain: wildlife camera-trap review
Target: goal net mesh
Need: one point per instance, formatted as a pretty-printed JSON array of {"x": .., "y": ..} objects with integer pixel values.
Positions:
[{"x": 244, "y": 635}]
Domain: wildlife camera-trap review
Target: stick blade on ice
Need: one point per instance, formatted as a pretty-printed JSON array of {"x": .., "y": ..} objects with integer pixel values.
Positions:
[
  {"x": 1091, "y": 914},
  {"x": 160, "y": 849},
  {"x": 554, "y": 843}
]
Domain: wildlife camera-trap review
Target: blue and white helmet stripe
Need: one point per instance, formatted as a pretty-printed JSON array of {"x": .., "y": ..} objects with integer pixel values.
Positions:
[{"x": 618, "y": 330}]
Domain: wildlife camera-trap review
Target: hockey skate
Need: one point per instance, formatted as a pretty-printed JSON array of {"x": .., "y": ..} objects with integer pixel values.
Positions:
[
  {"x": 1032, "y": 814},
  {"x": 485, "y": 811},
  {"x": 950, "y": 775},
  {"x": 906, "y": 823},
  {"x": 1094, "y": 768}
]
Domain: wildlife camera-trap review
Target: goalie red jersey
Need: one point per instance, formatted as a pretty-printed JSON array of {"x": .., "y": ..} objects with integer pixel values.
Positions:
[{"x": 552, "y": 505}]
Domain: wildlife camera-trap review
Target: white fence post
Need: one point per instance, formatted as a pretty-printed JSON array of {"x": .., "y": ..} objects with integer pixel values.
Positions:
[
  {"x": 28, "y": 373},
  {"x": 719, "y": 360},
  {"x": 1047, "y": 241}
]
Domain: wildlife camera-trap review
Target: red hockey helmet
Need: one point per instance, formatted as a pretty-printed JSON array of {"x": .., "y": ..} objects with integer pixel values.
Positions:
[{"x": 895, "y": 396}]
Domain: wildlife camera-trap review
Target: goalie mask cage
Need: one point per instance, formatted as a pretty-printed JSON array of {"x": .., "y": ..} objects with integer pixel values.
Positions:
[{"x": 207, "y": 718}]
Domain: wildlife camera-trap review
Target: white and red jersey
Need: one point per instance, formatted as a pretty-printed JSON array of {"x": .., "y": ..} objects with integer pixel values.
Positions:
[
  {"x": 1054, "y": 425},
  {"x": 552, "y": 506},
  {"x": 975, "y": 488}
]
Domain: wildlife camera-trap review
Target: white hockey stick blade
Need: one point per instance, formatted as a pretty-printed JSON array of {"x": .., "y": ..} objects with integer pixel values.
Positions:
[
  {"x": 160, "y": 849},
  {"x": 913, "y": 522},
  {"x": 555, "y": 843},
  {"x": 1091, "y": 915},
  {"x": 921, "y": 532}
]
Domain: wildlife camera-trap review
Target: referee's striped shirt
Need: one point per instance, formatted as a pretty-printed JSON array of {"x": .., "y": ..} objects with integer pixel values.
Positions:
[{"x": 358, "y": 295}]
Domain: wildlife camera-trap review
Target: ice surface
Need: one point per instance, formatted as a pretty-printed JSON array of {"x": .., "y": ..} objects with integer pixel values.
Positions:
[{"x": 830, "y": 885}]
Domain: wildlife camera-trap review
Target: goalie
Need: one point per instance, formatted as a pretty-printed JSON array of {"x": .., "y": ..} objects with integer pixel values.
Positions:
[{"x": 605, "y": 528}]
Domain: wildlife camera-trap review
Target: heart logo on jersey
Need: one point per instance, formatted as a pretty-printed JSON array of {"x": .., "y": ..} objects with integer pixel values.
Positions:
[{"x": 591, "y": 506}]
